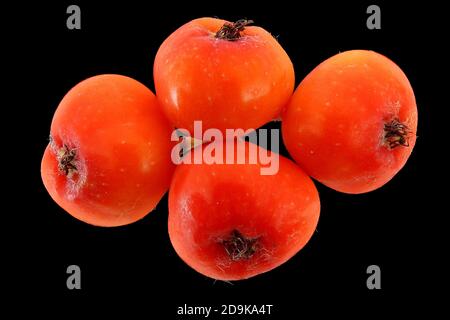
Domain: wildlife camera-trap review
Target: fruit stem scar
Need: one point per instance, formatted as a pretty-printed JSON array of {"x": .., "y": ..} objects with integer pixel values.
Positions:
[
  {"x": 396, "y": 134},
  {"x": 239, "y": 247},
  {"x": 232, "y": 31}
]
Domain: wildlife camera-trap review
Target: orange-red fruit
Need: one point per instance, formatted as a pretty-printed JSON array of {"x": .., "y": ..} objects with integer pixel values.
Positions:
[
  {"x": 239, "y": 83},
  {"x": 351, "y": 123},
  {"x": 108, "y": 161},
  {"x": 229, "y": 222}
]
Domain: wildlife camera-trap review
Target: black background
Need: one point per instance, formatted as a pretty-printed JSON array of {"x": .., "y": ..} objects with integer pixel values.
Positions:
[{"x": 135, "y": 266}]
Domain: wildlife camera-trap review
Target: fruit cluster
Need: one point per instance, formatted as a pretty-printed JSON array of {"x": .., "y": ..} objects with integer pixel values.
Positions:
[{"x": 350, "y": 124}]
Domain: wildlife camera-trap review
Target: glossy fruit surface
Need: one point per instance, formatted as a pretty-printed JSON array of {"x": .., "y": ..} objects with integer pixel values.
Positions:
[
  {"x": 229, "y": 222},
  {"x": 228, "y": 75},
  {"x": 108, "y": 161},
  {"x": 351, "y": 124}
]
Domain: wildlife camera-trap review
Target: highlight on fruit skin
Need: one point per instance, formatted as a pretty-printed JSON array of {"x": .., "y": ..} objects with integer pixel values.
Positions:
[
  {"x": 108, "y": 160},
  {"x": 351, "y": 123}
]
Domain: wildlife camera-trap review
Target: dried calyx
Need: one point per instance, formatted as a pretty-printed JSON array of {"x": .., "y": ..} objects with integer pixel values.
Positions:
[
  {"x": 66, "y": 160},
  {"x": 232, "y": 31},
  {"x": 396, "y": 134},
  {"x": 239, "y": 247}
]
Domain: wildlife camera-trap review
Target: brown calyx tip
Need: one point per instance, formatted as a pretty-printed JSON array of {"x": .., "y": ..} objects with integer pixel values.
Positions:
[
  {"x": 232, "y": 31},
  {"x": 66, "y": 160},
  {"x": 396, "y": 134},
  {"x": 239, "y": 247}
]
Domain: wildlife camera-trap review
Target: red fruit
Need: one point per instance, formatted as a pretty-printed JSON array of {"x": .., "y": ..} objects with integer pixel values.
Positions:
[
  {"x": 229, "y": 222},
  {"x": 108, "y": 162},
  {"x": 229, "y": 75},
  {"x": 351, "y": 123}
]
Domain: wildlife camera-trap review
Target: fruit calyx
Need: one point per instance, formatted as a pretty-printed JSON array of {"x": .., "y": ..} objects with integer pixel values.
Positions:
[
  {"x": 239, "y": 247},
  {"x": 396, "y": 134},
  {"x": 232, "y": 31},
  {"x": 66, "y": 160}
]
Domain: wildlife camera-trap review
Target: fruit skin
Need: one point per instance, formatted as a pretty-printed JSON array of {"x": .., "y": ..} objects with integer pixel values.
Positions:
[
  {"x": 227, "y": 84},
  {"x": 208, "y": 202},
  {"x": 334, "y": 125},
  {"x": 122, "y": 145}
]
